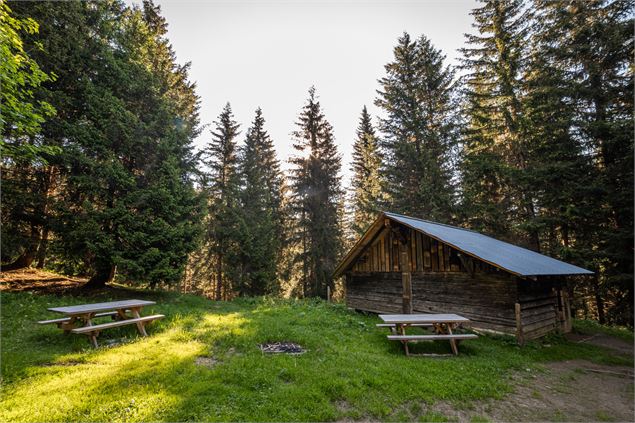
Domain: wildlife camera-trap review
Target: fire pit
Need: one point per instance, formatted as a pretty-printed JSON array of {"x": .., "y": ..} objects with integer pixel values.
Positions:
[{"x": 281, "y": 348}]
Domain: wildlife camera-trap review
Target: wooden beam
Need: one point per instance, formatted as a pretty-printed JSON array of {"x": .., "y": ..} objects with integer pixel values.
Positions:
[
  {"x": 519, "y": 325},
  {"x": 406, "y": 278}
]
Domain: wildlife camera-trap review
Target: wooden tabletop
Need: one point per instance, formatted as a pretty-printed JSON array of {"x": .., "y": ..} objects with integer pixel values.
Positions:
[
  {"x": 423, "y": 318},
  {"x": 97, "y": 307}
]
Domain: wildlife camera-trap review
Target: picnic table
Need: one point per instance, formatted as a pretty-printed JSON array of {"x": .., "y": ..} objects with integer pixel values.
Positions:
[
  {"x": 441, "y": 324},
  {"x": 79, "y": 318}
]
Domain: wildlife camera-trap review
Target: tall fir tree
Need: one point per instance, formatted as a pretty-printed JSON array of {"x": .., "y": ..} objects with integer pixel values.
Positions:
[
  {"x": 419, "y": 132},
  {"x": 261, "y": 234},
  {"x": 590, "y": 45},
  {"x": 497, "y": 195},
  {"x": 366, "y": 184},
  {"x": 222, "y": 188},
  {"x": 315, "y": 200},
  {"x": 126, "y": 118}
]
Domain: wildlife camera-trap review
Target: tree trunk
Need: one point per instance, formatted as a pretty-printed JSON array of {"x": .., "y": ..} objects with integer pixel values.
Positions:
[
  {"x": 28, "y": 255},
  {"x": 41, "y": 251},
  {"x": 599, "y": 302},
  {"x": 219, "y": 277},
  {"x": 103, "y": 275}
]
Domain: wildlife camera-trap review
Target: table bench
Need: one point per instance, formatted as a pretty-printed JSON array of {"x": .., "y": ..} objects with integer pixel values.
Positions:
[
  {"x": 443, "y": 325},
  {"x": 80, "y": 317}
]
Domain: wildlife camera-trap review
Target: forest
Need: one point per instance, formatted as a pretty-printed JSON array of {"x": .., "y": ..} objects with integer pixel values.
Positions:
[{"x": 529, "y": 140}]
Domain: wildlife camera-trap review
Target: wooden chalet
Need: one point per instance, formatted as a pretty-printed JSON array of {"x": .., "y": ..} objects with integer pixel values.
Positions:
[{"x": 404, "y": 265}]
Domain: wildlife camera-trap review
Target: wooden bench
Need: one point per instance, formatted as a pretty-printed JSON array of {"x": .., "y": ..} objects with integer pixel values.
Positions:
[
  {"x": 93, "y": 330},
  {"x": 414, "y": 338},
  {"x": 393, "y": 327},
  {"x": 453, "y": 338},
  {"x": 68, "y": 319}
]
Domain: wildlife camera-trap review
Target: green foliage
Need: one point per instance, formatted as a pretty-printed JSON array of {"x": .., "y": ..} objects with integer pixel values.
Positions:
[
  {"x": 262, "y": 232},
  {"x": 419, "y": 131},
  {"x": 497, "y": 195},
  {"x": 119, "y": 196},
  {"x": 350, "y": 371},
  {"x": 315, "y": 200},
  {"x": 367, "y": 196},
  {"x": 21, "y": 114},
  {"x": 221, "y": 184}
]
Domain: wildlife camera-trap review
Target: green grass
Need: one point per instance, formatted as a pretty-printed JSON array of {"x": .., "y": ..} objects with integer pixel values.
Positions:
[
  {"x": 350, "y": 371},
  {"x": 591, "y": 327}
]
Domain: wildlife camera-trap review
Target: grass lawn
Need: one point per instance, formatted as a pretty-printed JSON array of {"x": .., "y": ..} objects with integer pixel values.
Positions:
[{"x": 350, "y": 371}]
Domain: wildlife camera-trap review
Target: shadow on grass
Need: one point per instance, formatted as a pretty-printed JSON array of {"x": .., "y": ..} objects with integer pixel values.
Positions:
[{"x": 351, "y": 371}]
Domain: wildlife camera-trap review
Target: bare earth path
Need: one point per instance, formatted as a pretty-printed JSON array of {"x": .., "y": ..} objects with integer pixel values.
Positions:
[{"x": 571, "y": 391}]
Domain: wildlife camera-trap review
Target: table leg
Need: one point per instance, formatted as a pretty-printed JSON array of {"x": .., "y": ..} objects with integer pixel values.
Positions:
[
  {"x": 121, "y": 315},
  {"x": 67, "y": 326},
  {"x": 140, "y": 326},
  {"x": 455, "y": 349},
  {"x": 87, "y": 318}
]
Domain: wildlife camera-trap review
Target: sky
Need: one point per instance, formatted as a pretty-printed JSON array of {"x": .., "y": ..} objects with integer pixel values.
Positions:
[{"x": 268, "y": 53}]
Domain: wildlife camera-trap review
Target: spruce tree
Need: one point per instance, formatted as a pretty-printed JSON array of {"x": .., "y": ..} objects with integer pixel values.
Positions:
[
  {"x": 262, "y": 232},
  {"x": 419, "y": 132},
  {"x": 315, "y": 200},
  {"x": 590, "y": 44},
  {"x": 497, "y": 197},
  {"x": 126, "y": 118},
  {"x": 222, "y": 189},
  {"x": 366, "y": 183}
]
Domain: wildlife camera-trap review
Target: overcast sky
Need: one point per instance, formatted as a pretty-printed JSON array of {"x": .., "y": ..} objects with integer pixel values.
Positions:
[{"x": 268, "y": 54}]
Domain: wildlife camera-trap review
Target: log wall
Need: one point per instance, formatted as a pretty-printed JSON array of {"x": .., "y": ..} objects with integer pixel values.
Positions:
[
  {"x": 538, "y": 302},
  {"x": 487, "y": 300},
  {"x": 445, "y": 281}
]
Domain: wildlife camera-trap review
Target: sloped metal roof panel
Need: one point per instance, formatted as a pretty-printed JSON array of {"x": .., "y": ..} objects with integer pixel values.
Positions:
[{"x": 513, "y": 258}]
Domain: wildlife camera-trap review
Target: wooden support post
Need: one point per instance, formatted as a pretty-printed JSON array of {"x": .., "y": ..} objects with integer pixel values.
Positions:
[
  {"x": 328, "y": 294},
  {"x": 140, "y": 326},
  {"x": 520, "y": 338},
  {"x": 406, "y": 278},
  {"x": 455, "y": 348}
]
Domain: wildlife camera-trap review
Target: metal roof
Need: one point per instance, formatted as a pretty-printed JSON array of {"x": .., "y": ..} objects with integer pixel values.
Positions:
[{"x": 512, "y": 258}]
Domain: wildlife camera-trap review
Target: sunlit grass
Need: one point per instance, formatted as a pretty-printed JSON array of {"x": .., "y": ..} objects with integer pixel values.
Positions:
[{"x": 349, "y": 372}]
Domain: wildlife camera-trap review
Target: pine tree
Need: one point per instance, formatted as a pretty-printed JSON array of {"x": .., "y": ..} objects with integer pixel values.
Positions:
[
  {"x": 262, "y": 230},
  {"x": 366, "y": 181},
  {"x": 222, "y": 188},
  {"x": 420, "y": 131},
  {"x": 590, "y": 44},
  {"x": 126, "y": 119},
  {"x": 496, "y": 194},
  {"x": 315, "y": 200}
]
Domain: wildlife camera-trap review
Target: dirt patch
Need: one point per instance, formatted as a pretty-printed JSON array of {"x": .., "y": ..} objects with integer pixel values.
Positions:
[
  {"x": 43, "y": 282},
  {"x": 67, "y": 363},
  {"x": 573, "y": 391},
  {"x": 37, "y": 280},
  {"x": 206, "y": 361}
]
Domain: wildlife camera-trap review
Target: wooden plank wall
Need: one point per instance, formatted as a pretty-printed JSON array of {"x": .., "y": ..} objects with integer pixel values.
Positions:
[
  {"x": 424, "y": 253},
  {"x": 538, "y": 307},
  {"x": 486, "y": 299},
  {"x": 442, "y": 284}
]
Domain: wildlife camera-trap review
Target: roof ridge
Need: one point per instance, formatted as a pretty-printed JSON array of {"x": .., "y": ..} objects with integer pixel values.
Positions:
[{"x": 436, "y": 223}]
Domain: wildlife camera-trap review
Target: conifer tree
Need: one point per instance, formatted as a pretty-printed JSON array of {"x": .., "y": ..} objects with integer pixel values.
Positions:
[
  {"x": 496, "y": 194},
  {"x": 222, "y": 189},
  {"x": 419, "y": 132},
  {"x": 590, "y": 45},
  {"x": 126, "y": 118},
  {"x": 366, "y": 181},
  {"x": 262, "y": 231},
  {"x": 315, "y": 200}
]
